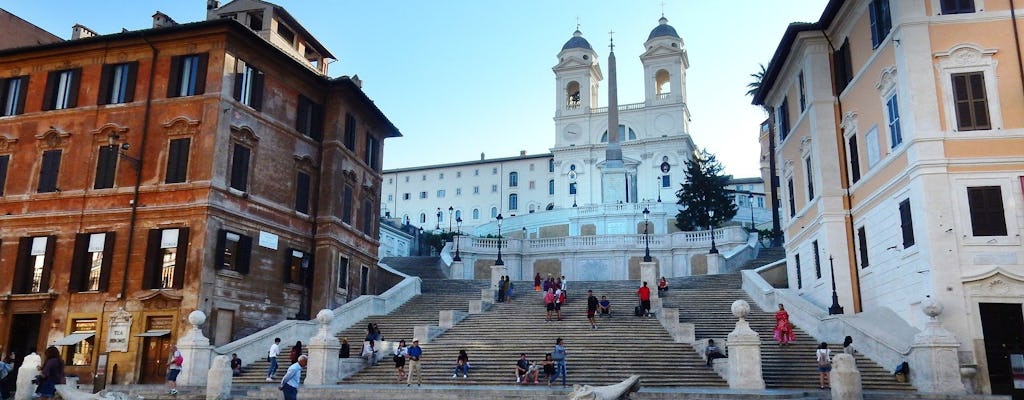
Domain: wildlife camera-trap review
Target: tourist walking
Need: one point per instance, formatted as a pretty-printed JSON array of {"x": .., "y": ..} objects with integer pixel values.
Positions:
[
  {"x": 824, "y": 356},
  {"x": 558, "y": 355},
  {"x": 462, "y": 364},
  {"x": 7, "y": 374},
  {"x": 783, "y": 331},
  {"x": 591, "y": 308},
  {"x": 290, "y": 382},
  {"x": 559, "y": 300},
  {"x": 549, "y": 303},
  {"x": 414, "y": 352},
  {"x": 173, "y": 368},
  {"x": 644, "y": 293},
  {"x": 400, "y": 354},
  {"x": 275, "y": 349},
  {"x": 536, "y": 282},
  {"x": 293, "y": 355},
  {"x": 52, "y": 374}
]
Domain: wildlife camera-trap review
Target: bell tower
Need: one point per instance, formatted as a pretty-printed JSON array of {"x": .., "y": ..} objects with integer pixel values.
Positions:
[
  {"x": 665, "y": 63},
  {"x": 577, "y": 76}
]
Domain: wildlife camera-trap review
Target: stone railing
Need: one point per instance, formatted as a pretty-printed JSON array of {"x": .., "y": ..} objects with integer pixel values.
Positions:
[
  {"x": 622, "y": 107},
  {"x": 737, "y": 257},
  {"x": 729, "y": 234}
]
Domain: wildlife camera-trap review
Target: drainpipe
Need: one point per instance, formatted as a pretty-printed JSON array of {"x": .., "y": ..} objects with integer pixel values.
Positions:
[
  {"x": 138, "y": 170},
  {"x": 845, "y": 183},
  {"x": 1016, "y": 42}
]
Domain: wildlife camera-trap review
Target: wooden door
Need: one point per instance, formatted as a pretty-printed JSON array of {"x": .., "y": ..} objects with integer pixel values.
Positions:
[
  {"x": 155, "y": 351},
  {"x": 1003, "y": 327}
]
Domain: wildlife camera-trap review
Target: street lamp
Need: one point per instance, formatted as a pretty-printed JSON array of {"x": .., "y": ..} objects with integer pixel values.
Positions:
[
  {"x": 647, "y": 241},
  {"x": 750, "y": 198},
  {"x": 450, "y": 212},
  {"x": 835, "y": 308},
  {"x": 437, "y": 227},
  {"x": 524, "y": 233},
  {"x": 711, "y": 223},
  {"x": 499, "y": 261},
  {"x": 458, "y": 223},
  {"x": 419, "y": 243},
  {"x": 659, "y": 188}
]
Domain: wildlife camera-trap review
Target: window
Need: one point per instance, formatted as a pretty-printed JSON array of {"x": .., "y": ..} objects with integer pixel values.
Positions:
[
  {"x": 906, "y": 224},
  {"x": 971, "y": 103},
  {"x": 346, "y": 205},
  {"x": 233, "y": 252},
  {"x": 297, "y": 267},
  {"x": 424, "y": 177},
  {"x": 106, "y": 165},
  {"x": 784, "y": 119},
  {"x": 572, "y": 187},
  {"x": 407, "y": 179},
  {"x": 895, "y": 135},
  {"x": 799, "y": 275},
  {"x": 458, "y": 174},
  {"x": 531, "y": 166},
  {"x": 842, "y": 67},
  {"x": 309, "y": 118},
  {"x": 368, "y": 217},
  {"x": 440, "y": 193},
  {"x": 240, "y": 167},
  {"x": 458, "y": 214},
  {"x": 476, "y": 213},
  {"x": 255, "y": 20},
  {"x": 494, "y": 171},
  {"x": 551, "y": 187},
  {"x": 533, "y": 185},
  {"x": 854, "y": 159},
  {"x": 817, "y": 260},
  {"x": 286, "y": 33},
  {"x": 792, "y": 198},
  {"x": 458, "y": 191},
  {"x": 862, "y": 243},
  {"x": 810, "y": 179},
  {"x": 956, "y": 6},
  {"x": 371, "y": 151},
  {"x": 49, "y": 170},
  {"x": 803, "y": 91},
  {"x": 513, "y": 201},
  {"x": 117, "y": 83},
  {"x": 364, "y": 280},
  {"x": 476, "y": 190},
  {"x": 80, "y": 353},
  {"x": 35, "y": 260},
  {"x": 62, "y": 89},
  {"x": 343, "y": 273},
  {"x": 12, "y": 95},
  {"x": 494, "y": 188},
  {"x": 476, "y": 172},
  {"x": 423, "y": 195},
  {"x": 551, "y": 165},
  {"x": 494, "y": 212},
  {"x": 5, "y": 160},
  {"x": 302, "y": 192},
  {"x": 166, "y": 254},
  {"x": 987, "y": 216},
  {"x": 187, "y": 76},
  {"x": 177, "y": 160},
  {"x": 391, "y": 198},
  {"x": 622, "y": 134},
  {"x": 350, "y": 131},
  {"x": 406, "y": 196},
  {"x": 423, "y": 218},
  {"x": 666, "y": 181},
  {"x": 881, "y": 22},
  {"x": 249, "y": 86},
  {"x": 440, "y": 175}
]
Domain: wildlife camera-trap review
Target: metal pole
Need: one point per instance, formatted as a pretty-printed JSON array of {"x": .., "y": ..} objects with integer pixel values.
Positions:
[
  {"x": 835, "y": 308},
  {"x": 499, "y": 261}
]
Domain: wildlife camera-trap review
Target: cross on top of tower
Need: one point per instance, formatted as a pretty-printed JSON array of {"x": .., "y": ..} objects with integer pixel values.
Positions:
[
  {"x": 577, "y": 22},
  {"x": 611, "y": 40},
  {"x": 662, "y": 9}
]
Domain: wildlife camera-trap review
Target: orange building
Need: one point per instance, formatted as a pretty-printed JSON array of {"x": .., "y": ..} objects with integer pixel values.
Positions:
[{"x": 211, "y": 165}]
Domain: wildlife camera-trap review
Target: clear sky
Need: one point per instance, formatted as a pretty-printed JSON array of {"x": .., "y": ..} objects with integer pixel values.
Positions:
[{"x": 464, "y": 77}]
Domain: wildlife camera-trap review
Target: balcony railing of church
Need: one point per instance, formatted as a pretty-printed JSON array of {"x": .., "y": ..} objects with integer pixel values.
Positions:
[
  {"x": 621, "y": 208},
  {"x": 663, "y": 96},
  {"x": 723, "y": 235},
  {"x": 622, "y": 107}
]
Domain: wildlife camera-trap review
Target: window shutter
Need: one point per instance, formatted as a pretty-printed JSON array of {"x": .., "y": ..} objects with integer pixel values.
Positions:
[
  {"x": 151, "y": 274},
  {"x": 48, "y": 93},
  {"x": 49, "y": 170},
  {"x": 201, "y": 73},
  {"x": 218, "y": 257},
  {"x": 129, "y": 91},
  {"x": 4, "y": 161},
  {"x": 106, "y": 74},
  {"x": 181, "y": 259},
  {"x": 44, "y": 281},
  {"x": 316, "y": 129},
  {"x": 21, "y": 266},
  {"x": 906, "y": 224},
  {"x": 302, "y": 193},
  {"x": 873, "y": 17},
  {"x": 76, "y": 78},
  {"x": 177, "y": 161},
  {"x": 22, "y": 93},
  {"x": 174, "y": 77},
  {"x": 979, "y": 104},
  {"x": 237, "y": 93},
  {"x": 301, "y": 112},
  {"x": 257, "y": 91},
  {"x": 108, "y": 261},
  {"x": 78, "y": 263},
  {"x": 854, "y": 160},
  {"x": 240, "y": 167},
  {"x": 4, "y": 84},
  {"x": 244, "y": 254},
  {"x": 309, "y": 271},
  {"x": 106, "y": 165},
  {"x": 862, "y": 241}
]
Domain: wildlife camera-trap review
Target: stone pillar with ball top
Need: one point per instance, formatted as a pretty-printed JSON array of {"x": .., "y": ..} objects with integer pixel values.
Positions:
[
  {"x": 744, "y": 352},
  {"x": 218, "y": 380},
  {"x": 845, "y": 378},
  {"x": 934, "y": 365},
  {"x": 649, "y": 274},
  {"x": 196, "y": 352},
  {"x": 322, "y": 365}
]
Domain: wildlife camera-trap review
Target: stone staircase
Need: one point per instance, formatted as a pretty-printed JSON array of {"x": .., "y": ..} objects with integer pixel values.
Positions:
[
  {"x": 425, "y": 267},
  {"x": 621, "y": 346},
  {"x": 765, "y": 256},
  {"x": 791, "y": 366}
]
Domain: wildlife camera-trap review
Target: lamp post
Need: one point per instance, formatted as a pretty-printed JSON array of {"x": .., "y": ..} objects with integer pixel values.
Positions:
[
  {"x": 835, "y": 308},
  {"x": 711, "y": 224},
  {"x": 658, "y": 185},
  {"x": 437, "y": 227},
  {"x": 419, "y": 243},
  {"x": 458, "y": 232},
  {"x": 451, "y": 211},
  {"x": 647, "y": 241},
  {"x": 750, "y": 198},
  {"x": 499, "y": 261}
]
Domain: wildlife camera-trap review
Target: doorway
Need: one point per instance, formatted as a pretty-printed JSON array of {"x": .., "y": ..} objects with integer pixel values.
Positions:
[
  {"x": 1003, "y": 327},
  {"x": 155, "y": 350},
  {"x": 24, "y": 336}
]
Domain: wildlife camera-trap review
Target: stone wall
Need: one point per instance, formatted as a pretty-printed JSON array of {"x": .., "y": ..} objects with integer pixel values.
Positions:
[
  {"x": 588, "y": 230},
  {"x": 554, "y": 231},
  {"x": 699, "y": 264},
  {"x": 550, "y": 266}
]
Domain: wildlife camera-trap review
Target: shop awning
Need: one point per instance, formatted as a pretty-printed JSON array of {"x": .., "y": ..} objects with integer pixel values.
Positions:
[
  {"x": 157, "y": 333},
  {"x": 74, "y": 338}
]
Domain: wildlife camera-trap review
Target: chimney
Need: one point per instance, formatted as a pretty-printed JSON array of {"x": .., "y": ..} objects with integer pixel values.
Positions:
[
  {"x": 79, "y": 31},
  {"x": 481, "y": 156},
  {"x": 212, "y": 4},
  {"x": 357, "y": 81},
  {"x": 522, "y": 153},
  {"x": 161, "y": 20}
]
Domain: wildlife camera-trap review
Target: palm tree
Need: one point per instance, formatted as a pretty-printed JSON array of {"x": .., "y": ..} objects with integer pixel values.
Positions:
[{"x": 755, "y": 85}]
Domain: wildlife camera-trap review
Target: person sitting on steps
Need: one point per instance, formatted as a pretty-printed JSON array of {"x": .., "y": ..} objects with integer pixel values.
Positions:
[
  {"x": 524, "y": 369},
  {"x": 662, "y": 285},
  {"x": 605, "y": 307},
  {"x": 712, "y": 352}
]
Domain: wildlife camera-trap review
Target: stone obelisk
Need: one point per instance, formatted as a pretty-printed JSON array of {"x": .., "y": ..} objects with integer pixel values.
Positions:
[{"x": 613, "y": 171}]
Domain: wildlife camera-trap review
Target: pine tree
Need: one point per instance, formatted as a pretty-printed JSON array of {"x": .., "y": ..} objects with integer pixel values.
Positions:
[{"x": 704, "y": 190}]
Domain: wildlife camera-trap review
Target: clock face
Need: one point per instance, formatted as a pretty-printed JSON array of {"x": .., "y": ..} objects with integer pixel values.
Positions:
[{"x": 571, "y": 133}]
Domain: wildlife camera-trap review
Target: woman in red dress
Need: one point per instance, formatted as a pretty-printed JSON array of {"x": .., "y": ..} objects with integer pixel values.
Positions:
[{"x": 783, "y": 331}]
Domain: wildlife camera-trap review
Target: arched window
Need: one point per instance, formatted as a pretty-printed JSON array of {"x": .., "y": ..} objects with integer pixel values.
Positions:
[
  {"x": 551, "y": 165},
  {"x": 513, "y": 201},
  {"x": 476, "y": 213},
  {"x": 622, "y": 134},
  {"x": 458, "y": 214},
  {"x": 661, "y": 80},
  {"x": 494, "y": 212},
  {"x": 513, "y": 179},
  {"x": 572, "y": 95},
  {"x": 551, "y": 186},
  {"x": 533, "y": 208},
  {"x": 423, "y": 218}
]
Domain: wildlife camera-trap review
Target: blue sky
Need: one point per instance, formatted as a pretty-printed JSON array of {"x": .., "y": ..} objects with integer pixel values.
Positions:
[{"x": 463, "y": 77}]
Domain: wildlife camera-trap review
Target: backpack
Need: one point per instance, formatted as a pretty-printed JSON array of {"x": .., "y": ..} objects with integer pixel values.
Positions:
[{"x": 823, "y": 359}]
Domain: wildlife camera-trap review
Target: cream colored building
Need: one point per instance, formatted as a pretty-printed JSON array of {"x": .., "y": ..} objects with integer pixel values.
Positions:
[{"x": 900, "y": 154}]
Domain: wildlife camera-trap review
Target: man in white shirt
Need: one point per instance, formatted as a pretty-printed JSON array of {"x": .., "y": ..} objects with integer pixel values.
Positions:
[
  {"x": 275, "y": 349},
  {"x": 290, "y": 382}
]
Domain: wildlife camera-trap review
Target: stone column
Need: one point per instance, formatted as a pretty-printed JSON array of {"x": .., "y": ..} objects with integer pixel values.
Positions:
[
  {"x": 744, "y": 352},
  {"x": 28, "y": 371},
  {"x": 934, "y": 353},
  {"x": 845, "y": 378},
  {"x": 649, "y": 274},
  {"x": 715, "y": 263},
  {"x": 497, "y": 271},
  {"x": 196, "y": 351},
  {"x": 322, "y": 365},
  {"x": 458, "y": 270},
  {"x": 218, "y": 380}
]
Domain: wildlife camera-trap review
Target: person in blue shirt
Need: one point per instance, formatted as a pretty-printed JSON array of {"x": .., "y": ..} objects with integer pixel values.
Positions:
[
  {"x": 290, "y": 382},
  {"x": 558, "y": 355},
  {"x": 414, "y": 352},
  {"x": 605, "y": 306}
]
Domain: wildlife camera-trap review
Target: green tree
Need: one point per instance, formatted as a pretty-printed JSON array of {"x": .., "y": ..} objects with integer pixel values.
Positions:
[
  {"x": 703, "y": 191},
  {"x": 755, "y": 84}
]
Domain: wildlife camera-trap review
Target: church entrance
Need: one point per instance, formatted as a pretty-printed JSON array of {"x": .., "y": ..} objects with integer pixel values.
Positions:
[
  {"x": 24, "y": 335},
  {"x": 1003, "y": 327}
]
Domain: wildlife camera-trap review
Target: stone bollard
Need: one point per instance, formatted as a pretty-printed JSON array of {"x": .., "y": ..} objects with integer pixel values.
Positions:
[
  {"x": 426, "y": 333},
  {"x": 649, "y": 274},
  {"x": 322, "y": 365},
  {"x": 447, "y": 319},
  {"x": 744, "y": 352},
  {"x": 196, "y": 351},
  {"x": 680, "y": 332},
  {"x": 28, "y": 371},
  {"x": 479, "y": 306},
  {"x": 218, "y": 379},
  {"x": 845, "y": 378},
  {"x": 489, "y": 295},
  {"x": 934, "y": 353}
]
